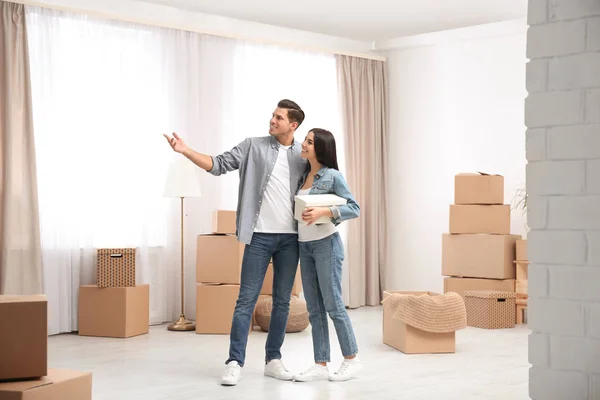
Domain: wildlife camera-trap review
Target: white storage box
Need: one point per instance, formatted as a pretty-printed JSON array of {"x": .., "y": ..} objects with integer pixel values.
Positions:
[{"x": 316, "y": 200}]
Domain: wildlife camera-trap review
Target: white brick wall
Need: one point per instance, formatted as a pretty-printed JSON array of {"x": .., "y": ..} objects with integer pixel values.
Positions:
[{"x": 562, "y": 114}]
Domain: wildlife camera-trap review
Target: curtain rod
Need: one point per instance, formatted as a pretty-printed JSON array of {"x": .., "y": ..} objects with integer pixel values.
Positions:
[{"x": 200, "y": 23}]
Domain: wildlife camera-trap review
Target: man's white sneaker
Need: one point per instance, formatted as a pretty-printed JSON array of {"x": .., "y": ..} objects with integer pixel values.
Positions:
[
  {"x": 232, "y": 375},
  {"x": 314, "y": 373},
  {"x": 275, "y": 369},
  {"x": 348, "y": 370}
]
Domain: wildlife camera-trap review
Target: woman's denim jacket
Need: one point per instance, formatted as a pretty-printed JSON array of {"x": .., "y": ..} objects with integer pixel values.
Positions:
[{"x": 331, "y": 181}]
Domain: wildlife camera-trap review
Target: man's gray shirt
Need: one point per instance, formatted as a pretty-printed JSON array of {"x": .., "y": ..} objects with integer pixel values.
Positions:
[{"x": 255, "y": 159}]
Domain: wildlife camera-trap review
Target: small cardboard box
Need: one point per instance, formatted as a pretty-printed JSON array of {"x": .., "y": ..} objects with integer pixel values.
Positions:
[
  {"x": 521, "y": 246},
  {"x": 490, "y": 309},
  {"x": 411, "y": 340},
  {"x": 461, "y": 285},
  {"x": 479, "y": 256},
  {"x": 223, "y": 222},
  {"x": 219, "y": 259},
  {"x": 267, "y": 287},
  {"x": 479, "y": 188},
  {"x": 116, "y": 267},
  {"x": 58, "y": 384},
  {"x": 316, "y": 200},
  {"x": 493, "y": 219},
  {"x": 23, "y": 337},
  {"x": 215, "y": 304},
  {"x": 114, "y": 312}
]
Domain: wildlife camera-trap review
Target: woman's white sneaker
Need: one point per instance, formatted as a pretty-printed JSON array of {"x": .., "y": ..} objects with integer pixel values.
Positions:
[
  {"x": 232, "y": 375},
  {"x": 276, "y": 369},
  {"x": 348, "y": 370},
  {"x": 314, "y": 373}
]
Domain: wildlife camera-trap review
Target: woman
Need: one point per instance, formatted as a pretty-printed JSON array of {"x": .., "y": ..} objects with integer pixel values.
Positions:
[{"x": 321, "y": 256}]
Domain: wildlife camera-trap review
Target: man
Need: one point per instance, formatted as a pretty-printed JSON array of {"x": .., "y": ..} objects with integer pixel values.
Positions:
[{"x": 270, "y": 169}]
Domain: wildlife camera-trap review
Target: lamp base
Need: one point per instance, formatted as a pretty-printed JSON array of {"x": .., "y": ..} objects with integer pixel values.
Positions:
[{"x": 182, "y": 324}]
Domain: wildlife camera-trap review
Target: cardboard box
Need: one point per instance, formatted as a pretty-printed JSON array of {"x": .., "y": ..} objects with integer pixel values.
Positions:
[
  {"x": 479, "y": 188},
  {"x": 490, "y": 309},
  {"x": 223, "y": 222},
  {"x": 479, "y": 256},
  {"x": 460, "y": 285},
  {"x": 116, "y": 267},
  {"x": 215, "y": 305},
  {"x": 114, "y": 312},
  {"x": 23, "y": 337},
  {"x": 267, "y": 287},
  {"x": 219, "y": 259},
  {"x": 494, "y": 219},
  {"x": 521, "y": 252},
  {"x": 316, "y": 200},
  {"x": 58, "y": 384},
  {"x": 411, "y": 340}
]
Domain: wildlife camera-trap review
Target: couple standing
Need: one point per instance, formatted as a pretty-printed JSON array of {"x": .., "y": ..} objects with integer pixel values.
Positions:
[{"x": 273, "y": 169}]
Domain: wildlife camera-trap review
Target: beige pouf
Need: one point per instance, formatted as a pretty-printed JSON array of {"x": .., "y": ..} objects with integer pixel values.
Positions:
[{"x": 297, "y": 321}]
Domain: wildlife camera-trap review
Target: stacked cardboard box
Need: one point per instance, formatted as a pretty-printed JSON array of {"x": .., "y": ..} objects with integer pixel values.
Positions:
[
  {"x": 478, "y": 252},
  {"x": 116, "y": 306},
  {"x": 219, "y": 257},
  {"x": 522, "y": 263},
  {"x": 24, "y": 372}
]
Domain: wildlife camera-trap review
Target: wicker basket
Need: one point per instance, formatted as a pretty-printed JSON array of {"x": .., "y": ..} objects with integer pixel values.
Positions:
[
  {"x": 116, "y": 268},
  {"x": 298, "y": 318},
  {"x": 490, "y": 309}
]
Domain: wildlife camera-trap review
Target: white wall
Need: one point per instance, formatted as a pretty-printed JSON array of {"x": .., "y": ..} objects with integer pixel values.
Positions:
[
  {"x": 562, "y": 113},
  {"x": 454, "y": 107}
]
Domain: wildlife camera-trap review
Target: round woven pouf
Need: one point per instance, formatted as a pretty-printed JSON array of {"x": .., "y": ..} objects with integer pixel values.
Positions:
[{"x": 297, "y": 321}]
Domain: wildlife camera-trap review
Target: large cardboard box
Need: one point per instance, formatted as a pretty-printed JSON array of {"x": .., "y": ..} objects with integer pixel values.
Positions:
[
  {"x": 411, "y": 340},
  {"x": 492, "y": 219},
  {"x": 479, "y": 256},
  {"x": 267, "y": 287},
  {"x": 114, "y": 312},
  {"x": 58, "y": 384},
  {"x": 223, "y": 222},
  {"x": 479, "y": 188},
  {"x": 215, "y": 305},
  {"x": 521, "y": 246},
  {"x": 460, "y": 285},
  {"x": 219, "y": 259},
  {"x": 23, "y": 337}
]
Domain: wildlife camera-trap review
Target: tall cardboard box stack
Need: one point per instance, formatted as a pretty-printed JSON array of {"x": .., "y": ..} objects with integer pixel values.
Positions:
[
  {"x": 116, "y": 306},
  {"x": 219, "y": 257},
  {"x": 478, "y": 252},
  {"x": 24, "y": 372},
  {"x": 522, "y": 263}
]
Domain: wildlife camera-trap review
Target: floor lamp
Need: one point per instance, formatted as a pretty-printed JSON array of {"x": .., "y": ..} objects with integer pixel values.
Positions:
[{"x": 182, "y": 182}]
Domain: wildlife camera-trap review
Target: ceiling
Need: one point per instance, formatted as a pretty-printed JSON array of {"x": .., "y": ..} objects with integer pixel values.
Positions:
[{"x": 364, "y": 20}]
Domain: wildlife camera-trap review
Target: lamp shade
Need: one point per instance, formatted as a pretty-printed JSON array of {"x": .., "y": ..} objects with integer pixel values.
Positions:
[{"x": 182, "y": 179}]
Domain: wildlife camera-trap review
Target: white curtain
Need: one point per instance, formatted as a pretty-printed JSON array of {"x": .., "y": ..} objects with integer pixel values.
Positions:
[{"x": 103, "y": 93}]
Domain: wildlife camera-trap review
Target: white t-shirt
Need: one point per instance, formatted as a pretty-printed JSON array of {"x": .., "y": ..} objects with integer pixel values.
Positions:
[
  {"x": 308, "y": 233},
  {"x": 276, "y": 214}
]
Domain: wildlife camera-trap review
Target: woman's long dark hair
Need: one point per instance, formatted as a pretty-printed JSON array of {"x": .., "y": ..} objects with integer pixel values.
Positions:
[{"x": 325, "y": 148}]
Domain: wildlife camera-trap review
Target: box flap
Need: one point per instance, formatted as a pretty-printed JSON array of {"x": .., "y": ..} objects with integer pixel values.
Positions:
[
  {"x": 36, "y": 298},
  {"x": 478, "y": 173},
  {"x": 24, "y": 385}
]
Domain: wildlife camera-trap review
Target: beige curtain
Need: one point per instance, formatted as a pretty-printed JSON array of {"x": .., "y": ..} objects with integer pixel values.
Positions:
[
  {"x": 362, "y": 84},
  {"x": 20, "y": 250}
]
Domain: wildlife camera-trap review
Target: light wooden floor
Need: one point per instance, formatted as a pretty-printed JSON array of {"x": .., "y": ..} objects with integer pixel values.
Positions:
[{"x": 488, "y": 364}]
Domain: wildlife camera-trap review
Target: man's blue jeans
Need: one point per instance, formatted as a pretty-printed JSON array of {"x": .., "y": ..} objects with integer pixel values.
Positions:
[{"x": 283, "y": 248}]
